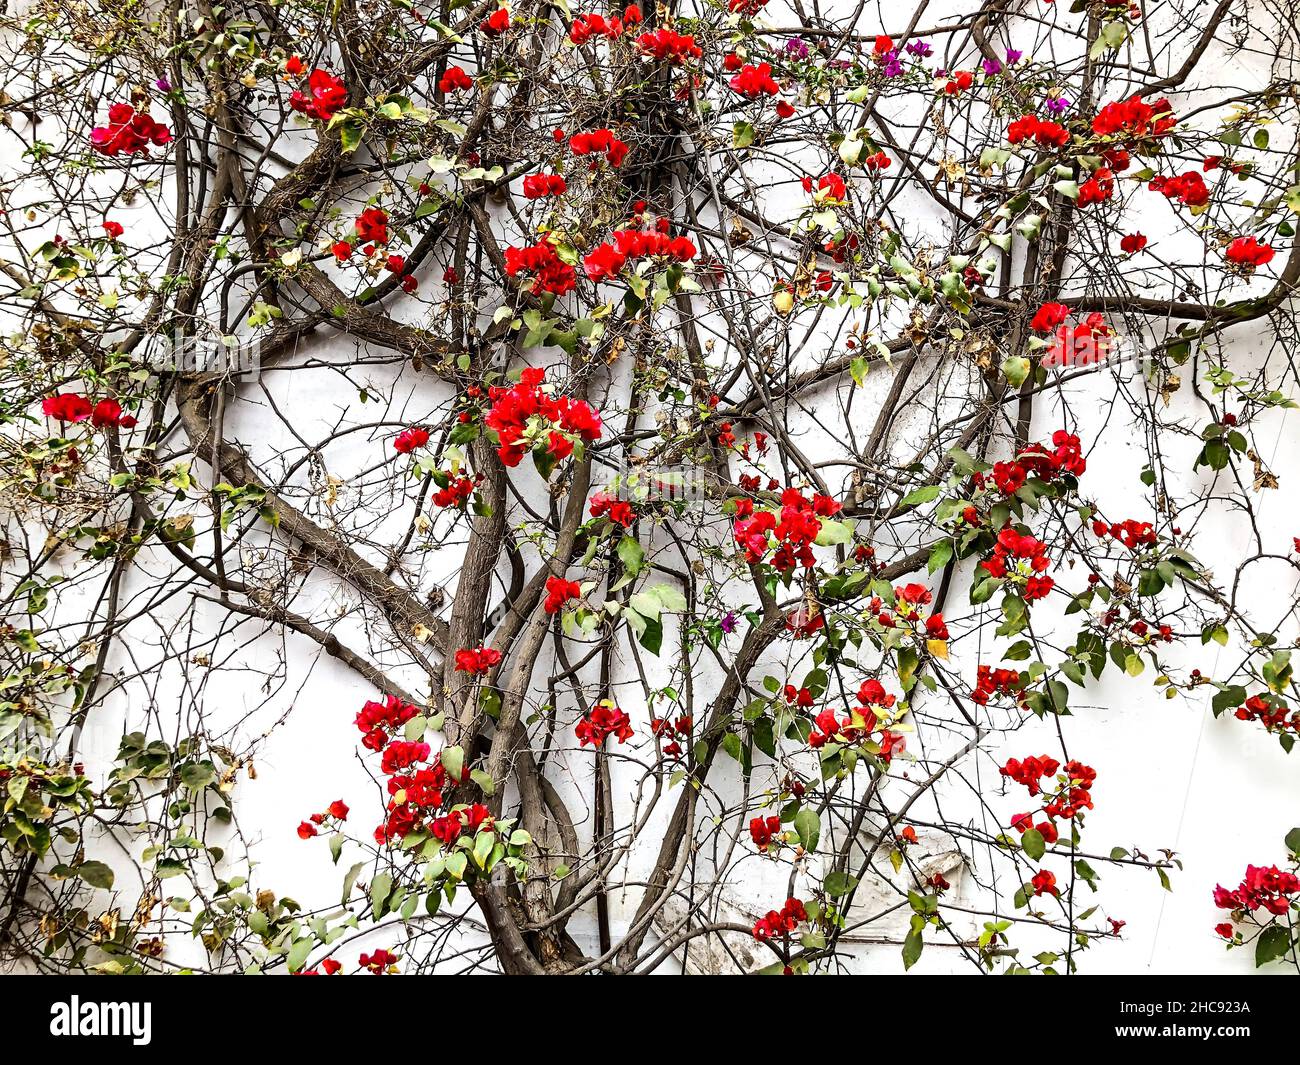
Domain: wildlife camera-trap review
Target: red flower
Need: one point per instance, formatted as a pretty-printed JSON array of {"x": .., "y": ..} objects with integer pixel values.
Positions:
[
  {"x": 618, "y": 511},
  {"x": 959, "y": 83},
  {"x": 1044, "y": 882},
  {"x": 496, "y": 23},
  {"x": 113, "y": 230},
  {"x": 128, "y": 132},
  {"x": 1031, "y": 771},
  {"x": 372, "y": 225},
  {"x": 667, "y": 44},
  {"x": 66, "y": 407},
  {"x": 1134, "y": 120},
  {"x": 324, "y": 96},
  {"x": 764, "y": 831},
  {"x": 1188, "y": 188},
  {"x": 1048, "y": 317},
  {"x": 377, "y": 721},
  {"x": 550, "y": 272},
  {"x": 1097, "y": 189},
  {"x": 453, "y": 80},
  {"x": 1045, "y": 133},
  {"x": 775, "y": 923},
  {"x": 586, "y": 27},
  {"x": 754, "y": 81},
  {"x": 1249, "y": 253},
  {"x": 558, "y": 592},
  {"x": 109, "y": 412},
  {"x": 597, "y": 142},
  {"x": 538, "y": 185},
  {"x": 378, "y": 962},
  {"x": 1132, "y": 244},
  {"x": 477, "y": 662},
  {"x": 604, "y": 720},
  {"x": 338, "y": 809},
  {"x": 410, "y": 439},
  {"x": 306, "y": 830}
]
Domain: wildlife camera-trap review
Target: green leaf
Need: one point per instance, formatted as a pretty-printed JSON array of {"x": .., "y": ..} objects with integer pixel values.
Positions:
[
  {"x": 96, "y": 874},
  {"x": 839, "y": 884},
  {"x": 808, "y": 827},
  {"x": 912, "y": 947},
  {"x": 1293, "y": 841},
  {"x": 1033, "y": 843},
  {"x": 1273, "y": 943},
  {"x": 922, "y": 495},
  {"x": 453, "y": 761},
  {"x": 298, "y": 953},
  {"x": 631, "y": 554},
  {"x": 380, "y": 888}
]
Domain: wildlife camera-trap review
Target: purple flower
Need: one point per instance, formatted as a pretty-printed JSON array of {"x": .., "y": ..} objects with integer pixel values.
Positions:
[
  {"x": 163, "y": 85},
  {"x": 920, "y": 49},
  {"x": 1056, "y": 105},
  {"x": 892, "y": 66},
  {"x": 1013, "y": 56},
  {"x": 797, "y": 47},
  {"x": 991, "y": 67},
  {"x": 728, "y": 623}
]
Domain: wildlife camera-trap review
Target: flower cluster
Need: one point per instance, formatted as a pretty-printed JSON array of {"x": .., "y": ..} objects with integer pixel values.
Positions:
[
  {"x": 764, "y": 831},
  {"x": 550, "y": 273},
  {"x": 454, "y": 491},
  {"x": 908, "y": 600},
  {"x": 496, "y": 23},
  {"x": 618, "y": 511},
  {"x": 1188, "y": 189},
  {"x": 1272, "y": 713},
  {"x": 669, "y": 45},
  {"x": 1134, "y": 121},
  {"x": 337, "y": 811},
  {"x": 1083, "y": 344},
  {"x": 70, "y": 407},
  {"x": 674, "y": 731},
  {"x": 558, "y": 592},
  {"x": 604, "y": 720},
  {"x": 409, "y": 440},
  {"x": 755, "y": 80},
  {"x": 585, "y": 27},
  {"x": 599, "y": 142},
  {"x": 1269, "y": 888},
  {"x": 795, "y": 530},
  {"x": 477, "y": 661},
  {"x": 1248, "y": 253},
  {"x": 860, "y": 723},
  {"x": 783, "y": 922},
  {"x": 378, "y": 721},
  {"x": 128, "y": 132},
  {"x": 474, "y": 818},
  {"x": 537, "y": 186},
  {"x": 380, "y": 962},
  {"x": 1131, "y": 533},
  {"x": 526, "y": 419},
  {"x": 1031, "y": 771},
  {"x": 1043, "y": 132},
  {"x": 990, "y": 681},
  {"x": 325, "y": 95},
  {"x": 1020, "y": 556},
  {"x": 606, "y": 260},
  {"x": 1035, "y": 460},
  {"x": 453, "y": 80}
]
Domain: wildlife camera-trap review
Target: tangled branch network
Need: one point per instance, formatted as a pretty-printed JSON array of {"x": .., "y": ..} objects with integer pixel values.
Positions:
[{"x": 726, "y": 486}]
